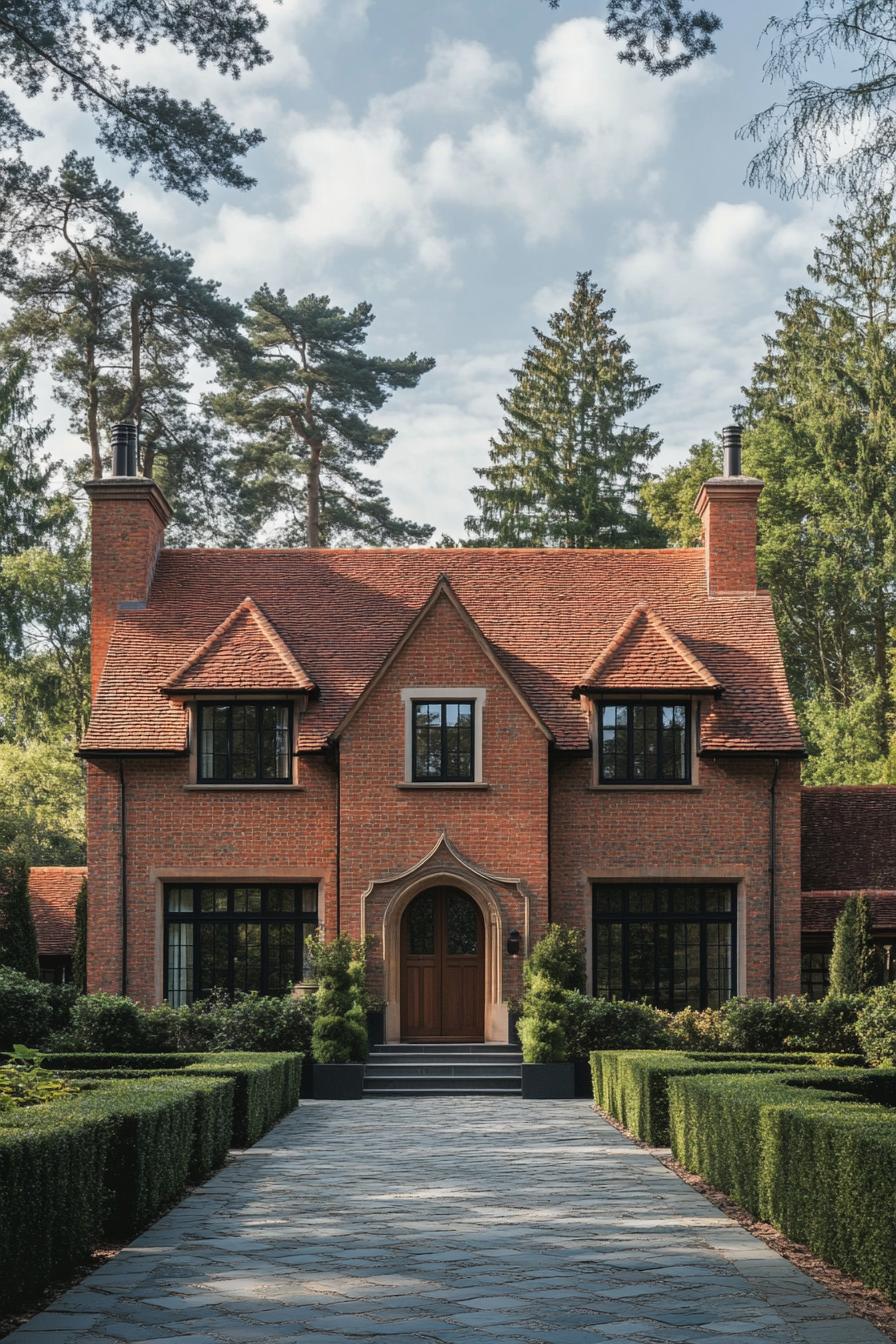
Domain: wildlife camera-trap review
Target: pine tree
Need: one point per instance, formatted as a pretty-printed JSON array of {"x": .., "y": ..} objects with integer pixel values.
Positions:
[
  {"x": 79, "y": 951},
  {"x": 855, "y": 966},
  {"x": 566, "y": 468},
  {"x": 18, "y": 941},
  {"x": 299, "y": 410}
]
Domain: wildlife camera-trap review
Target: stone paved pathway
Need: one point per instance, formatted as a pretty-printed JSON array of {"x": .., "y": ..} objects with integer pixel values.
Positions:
[{"x": 455, "y": 1220}]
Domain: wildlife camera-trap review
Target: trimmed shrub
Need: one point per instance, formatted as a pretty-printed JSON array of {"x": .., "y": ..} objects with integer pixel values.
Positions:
[
  {"x": 615, "y": 1024},
  {"x": 813, "y": 1153},
  {"x": 106, "y": 1022},
  {"x": 758, "y": 1024},
  {"x": 560, "y": 956},
  {"x": 25, "y": 1010},
  {"x": 266, "y": 1085},
  {"x": 696, "y": 1029},
  {"x": 855, "y": 961},
  {"x": 876, "y": 1026},
  {"x": 546, "y": 1027},
  {"x": 339, "y": 1034},
  {"x": 633, "y": 1086},
  {"x": 100, "y": 1165}
]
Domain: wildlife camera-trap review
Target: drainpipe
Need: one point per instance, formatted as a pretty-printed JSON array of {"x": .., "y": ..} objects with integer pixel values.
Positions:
[
  {"x": 123, "y": 861},
  {"x": 772, "y": 874},
  {"x": 338, "y": 838}
]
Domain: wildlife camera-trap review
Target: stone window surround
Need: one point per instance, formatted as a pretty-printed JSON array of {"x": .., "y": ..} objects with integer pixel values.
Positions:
[{"x": 411, "y": 693}]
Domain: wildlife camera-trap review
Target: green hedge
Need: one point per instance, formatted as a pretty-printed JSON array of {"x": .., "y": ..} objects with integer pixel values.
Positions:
[
  {"x": 814, "y": 1153},
  {"x": 267, "y": 1085},
  {"x": 633, "y": 1085},
  {"x": 101, "y": 1165}
]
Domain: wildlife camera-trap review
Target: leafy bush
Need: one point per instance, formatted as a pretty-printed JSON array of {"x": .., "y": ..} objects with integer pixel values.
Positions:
[
  {"x": 339, "y": 1034},
  {"x": 560, "y": 956},
  {"x": 696, "y": 1029},
  {"x": 876, "y": 1026},
  {"x": 546, "y": 1027},
  {"x": 25, "y": 1082},
  {"x": 614, "y": 1024},
  {"x": 633, "y": 1085},
  {"x": 106, "y": 1022},
  {"x": 25, "y": 1010},
  {"x": 809, "y": 1152},
  {"x": 749, "y": 1025},
  {"x": 827, "y": 1024},
  {"x": 100, "y": 1165}
]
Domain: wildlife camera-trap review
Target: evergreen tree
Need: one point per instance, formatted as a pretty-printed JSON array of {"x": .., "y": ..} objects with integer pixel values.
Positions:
[
  {"x": 669, "y": 500},
  {"x": 62, "y": 46},
  {"x": 79, "y": 951},
  {"x": 566, "y": 467},
  {"x": 303, "y": 438},
  {"x": 120, "y": 320},
  {"x": 18, "y": 941},
  {"x": 855, "y": 963}
]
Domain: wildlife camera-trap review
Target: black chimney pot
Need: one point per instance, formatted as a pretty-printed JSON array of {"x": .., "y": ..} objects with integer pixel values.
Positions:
[
  {"x": 731, "y": 443},
  {"x": 124, "y": 448}
]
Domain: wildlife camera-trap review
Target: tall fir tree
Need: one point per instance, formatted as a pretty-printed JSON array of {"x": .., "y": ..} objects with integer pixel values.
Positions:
[
  {"x": 855, "y": 962},
  {"x": 297, "y": 417},
  {"x": 18, "y": 940},
  {"x": 79, "y": 950},
  {"x": 567, "y": 466}
]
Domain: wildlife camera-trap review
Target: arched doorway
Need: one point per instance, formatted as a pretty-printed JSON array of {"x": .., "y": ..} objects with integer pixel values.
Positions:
[{"x": 442, "y": 967}]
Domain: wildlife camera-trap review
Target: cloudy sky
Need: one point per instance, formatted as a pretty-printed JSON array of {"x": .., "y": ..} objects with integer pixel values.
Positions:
[{"x": 456, "y": 162}]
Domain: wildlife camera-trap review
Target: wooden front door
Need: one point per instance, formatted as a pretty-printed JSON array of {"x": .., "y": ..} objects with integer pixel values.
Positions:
[{"x": 442, "y": 967}]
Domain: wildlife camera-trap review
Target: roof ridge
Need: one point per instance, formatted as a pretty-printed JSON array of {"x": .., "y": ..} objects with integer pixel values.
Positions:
[
  {"x": 249, "y": 607},
  {"x": 643, "y": 611}
]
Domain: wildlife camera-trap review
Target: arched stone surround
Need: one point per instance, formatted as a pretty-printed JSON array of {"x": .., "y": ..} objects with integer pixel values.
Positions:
[{"x": 504, "y": 904}]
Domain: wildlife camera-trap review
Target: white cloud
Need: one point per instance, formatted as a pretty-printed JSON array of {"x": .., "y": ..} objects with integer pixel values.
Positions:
[{"x": 459, "y": 78}]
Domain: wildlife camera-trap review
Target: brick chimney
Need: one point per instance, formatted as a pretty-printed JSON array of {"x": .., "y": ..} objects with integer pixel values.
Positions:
[
  {"x": 727, "y": 507},
  {"x": 128, "y": 514}
]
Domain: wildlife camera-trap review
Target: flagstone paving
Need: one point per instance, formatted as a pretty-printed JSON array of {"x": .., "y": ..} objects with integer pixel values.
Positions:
[{"x": 458, "y": 1220}]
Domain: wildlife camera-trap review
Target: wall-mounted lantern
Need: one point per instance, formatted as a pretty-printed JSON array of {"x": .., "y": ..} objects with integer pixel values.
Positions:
[{"x": 513, "y": 944}]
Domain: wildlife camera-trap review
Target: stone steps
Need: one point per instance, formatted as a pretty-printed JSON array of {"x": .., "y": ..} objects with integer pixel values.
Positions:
[{"x": 443, "y": 1069}]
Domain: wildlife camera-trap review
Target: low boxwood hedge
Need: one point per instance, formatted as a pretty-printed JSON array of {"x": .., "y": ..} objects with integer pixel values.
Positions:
[
  {"x": 267, "y": 1085},
  {"x": 813, "y": 1152},
  {"x": 98, "y": 1165},
  {"x": 633, "y": 1085}
]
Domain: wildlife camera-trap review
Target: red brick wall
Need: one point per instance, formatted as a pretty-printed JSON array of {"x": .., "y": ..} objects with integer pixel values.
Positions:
[
  {"x": 385, "y": 829},
  {"x": 173, "y": 832},
  {"x": 720, "y": 831},
  {"x": 728, "y": 509}
]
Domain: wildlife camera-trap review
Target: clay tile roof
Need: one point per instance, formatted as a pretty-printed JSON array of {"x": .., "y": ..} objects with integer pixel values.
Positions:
[
  {"x": 821, "y": 908},
  {"x": 244, "y": 653},
  {"x": 849, "y": 838},
  {"x": 53, "y": 893},
  {"x": 646, "y": 655},
  {"x": 544, "y": 614}
]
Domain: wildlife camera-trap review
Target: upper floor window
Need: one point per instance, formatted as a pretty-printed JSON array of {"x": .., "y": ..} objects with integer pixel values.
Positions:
[
  {"x": 443, "y": 741},
  {"x": 247, "y": 742},
  {"x": 643, "y": 742}
]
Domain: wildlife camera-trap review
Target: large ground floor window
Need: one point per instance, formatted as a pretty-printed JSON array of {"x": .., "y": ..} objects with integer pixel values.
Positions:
[
  {"x": 673, "y": 944},
  {"x": 235, "y": 937}
]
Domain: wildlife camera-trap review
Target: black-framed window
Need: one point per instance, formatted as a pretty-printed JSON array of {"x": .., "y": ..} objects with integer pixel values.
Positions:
[
  {"x": 644, "y": 742},
  {"x": 815, "y": 970},
  {"x": 247, "y": 742},
  {"x": 674, "y": 944},
  {"x": 443, "y": 747},
  {"x": 244, "y": 936}
]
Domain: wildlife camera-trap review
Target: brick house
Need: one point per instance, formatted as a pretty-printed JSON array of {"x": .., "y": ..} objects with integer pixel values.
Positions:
[
  {"x": 53, "y": 893},
  {"x": 444, "y": 750}
]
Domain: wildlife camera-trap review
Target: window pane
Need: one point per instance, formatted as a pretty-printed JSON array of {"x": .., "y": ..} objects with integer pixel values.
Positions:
[
  {"x": 247, "y": 957},
  {"x": 180, "y": 962},
  {"x": 463, "y": 925},
  {"x": 644, "y": 742},
  {"x": 275, "y": 763},
  {"x": 608, "y": 960},
  {"x": 244, "y": 749},
  {"x": 180, "y": 898},
  {"x": 685, "y": 966},
  {"x": 610, "y": 900},
  {"x": 214, "y": 958},
  {"x": 718, "y": 963},
  {"x": 614, "y": 742},
  {"x": 213, "y": 899},
  {"x": 247, "y": 899},
  {"x": 281, "y": 900},
  {"x": 641, "y": 960},
  {"x": 427, "y": 741},
  {"x": 214, "y": 763},
  {"x": 281, "y": 957},
  {"x": 422, "y": 926},
  {"x": 674, "y": 742},
  {"x": 458, "y": 741},
  {"x": 309, "y": 900}
]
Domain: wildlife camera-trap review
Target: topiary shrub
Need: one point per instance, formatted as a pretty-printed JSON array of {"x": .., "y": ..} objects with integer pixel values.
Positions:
[
  {"x": 559, "y": 955},
  {"x": 339, "y": 1035},
  {"x": 827, "y": 1024},
  {"x": 876, "y": 1026},
  {"x": 26, "y": 1014},
  {"x": 106, "y": 1022},
  {"x": 614, "y": 1024},
  {"x": 546, "y": 1027},
  {"x": 855, "y": 961},
  {"x": 759, "y": 1024}
]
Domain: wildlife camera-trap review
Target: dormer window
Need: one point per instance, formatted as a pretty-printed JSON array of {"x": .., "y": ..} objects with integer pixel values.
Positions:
[
  {"x": 245, "y": 742},
  {"x": 644, "y": 742}
]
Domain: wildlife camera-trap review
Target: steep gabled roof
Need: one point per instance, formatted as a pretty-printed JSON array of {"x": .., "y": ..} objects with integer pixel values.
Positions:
[
  {"x": 443, "y": 592},
  {"x": 645, "y": 654},
  {"x": 544, "y": 614},
  {"x": 244, "y": 653},
  {"x": 53, "y": 893}
]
